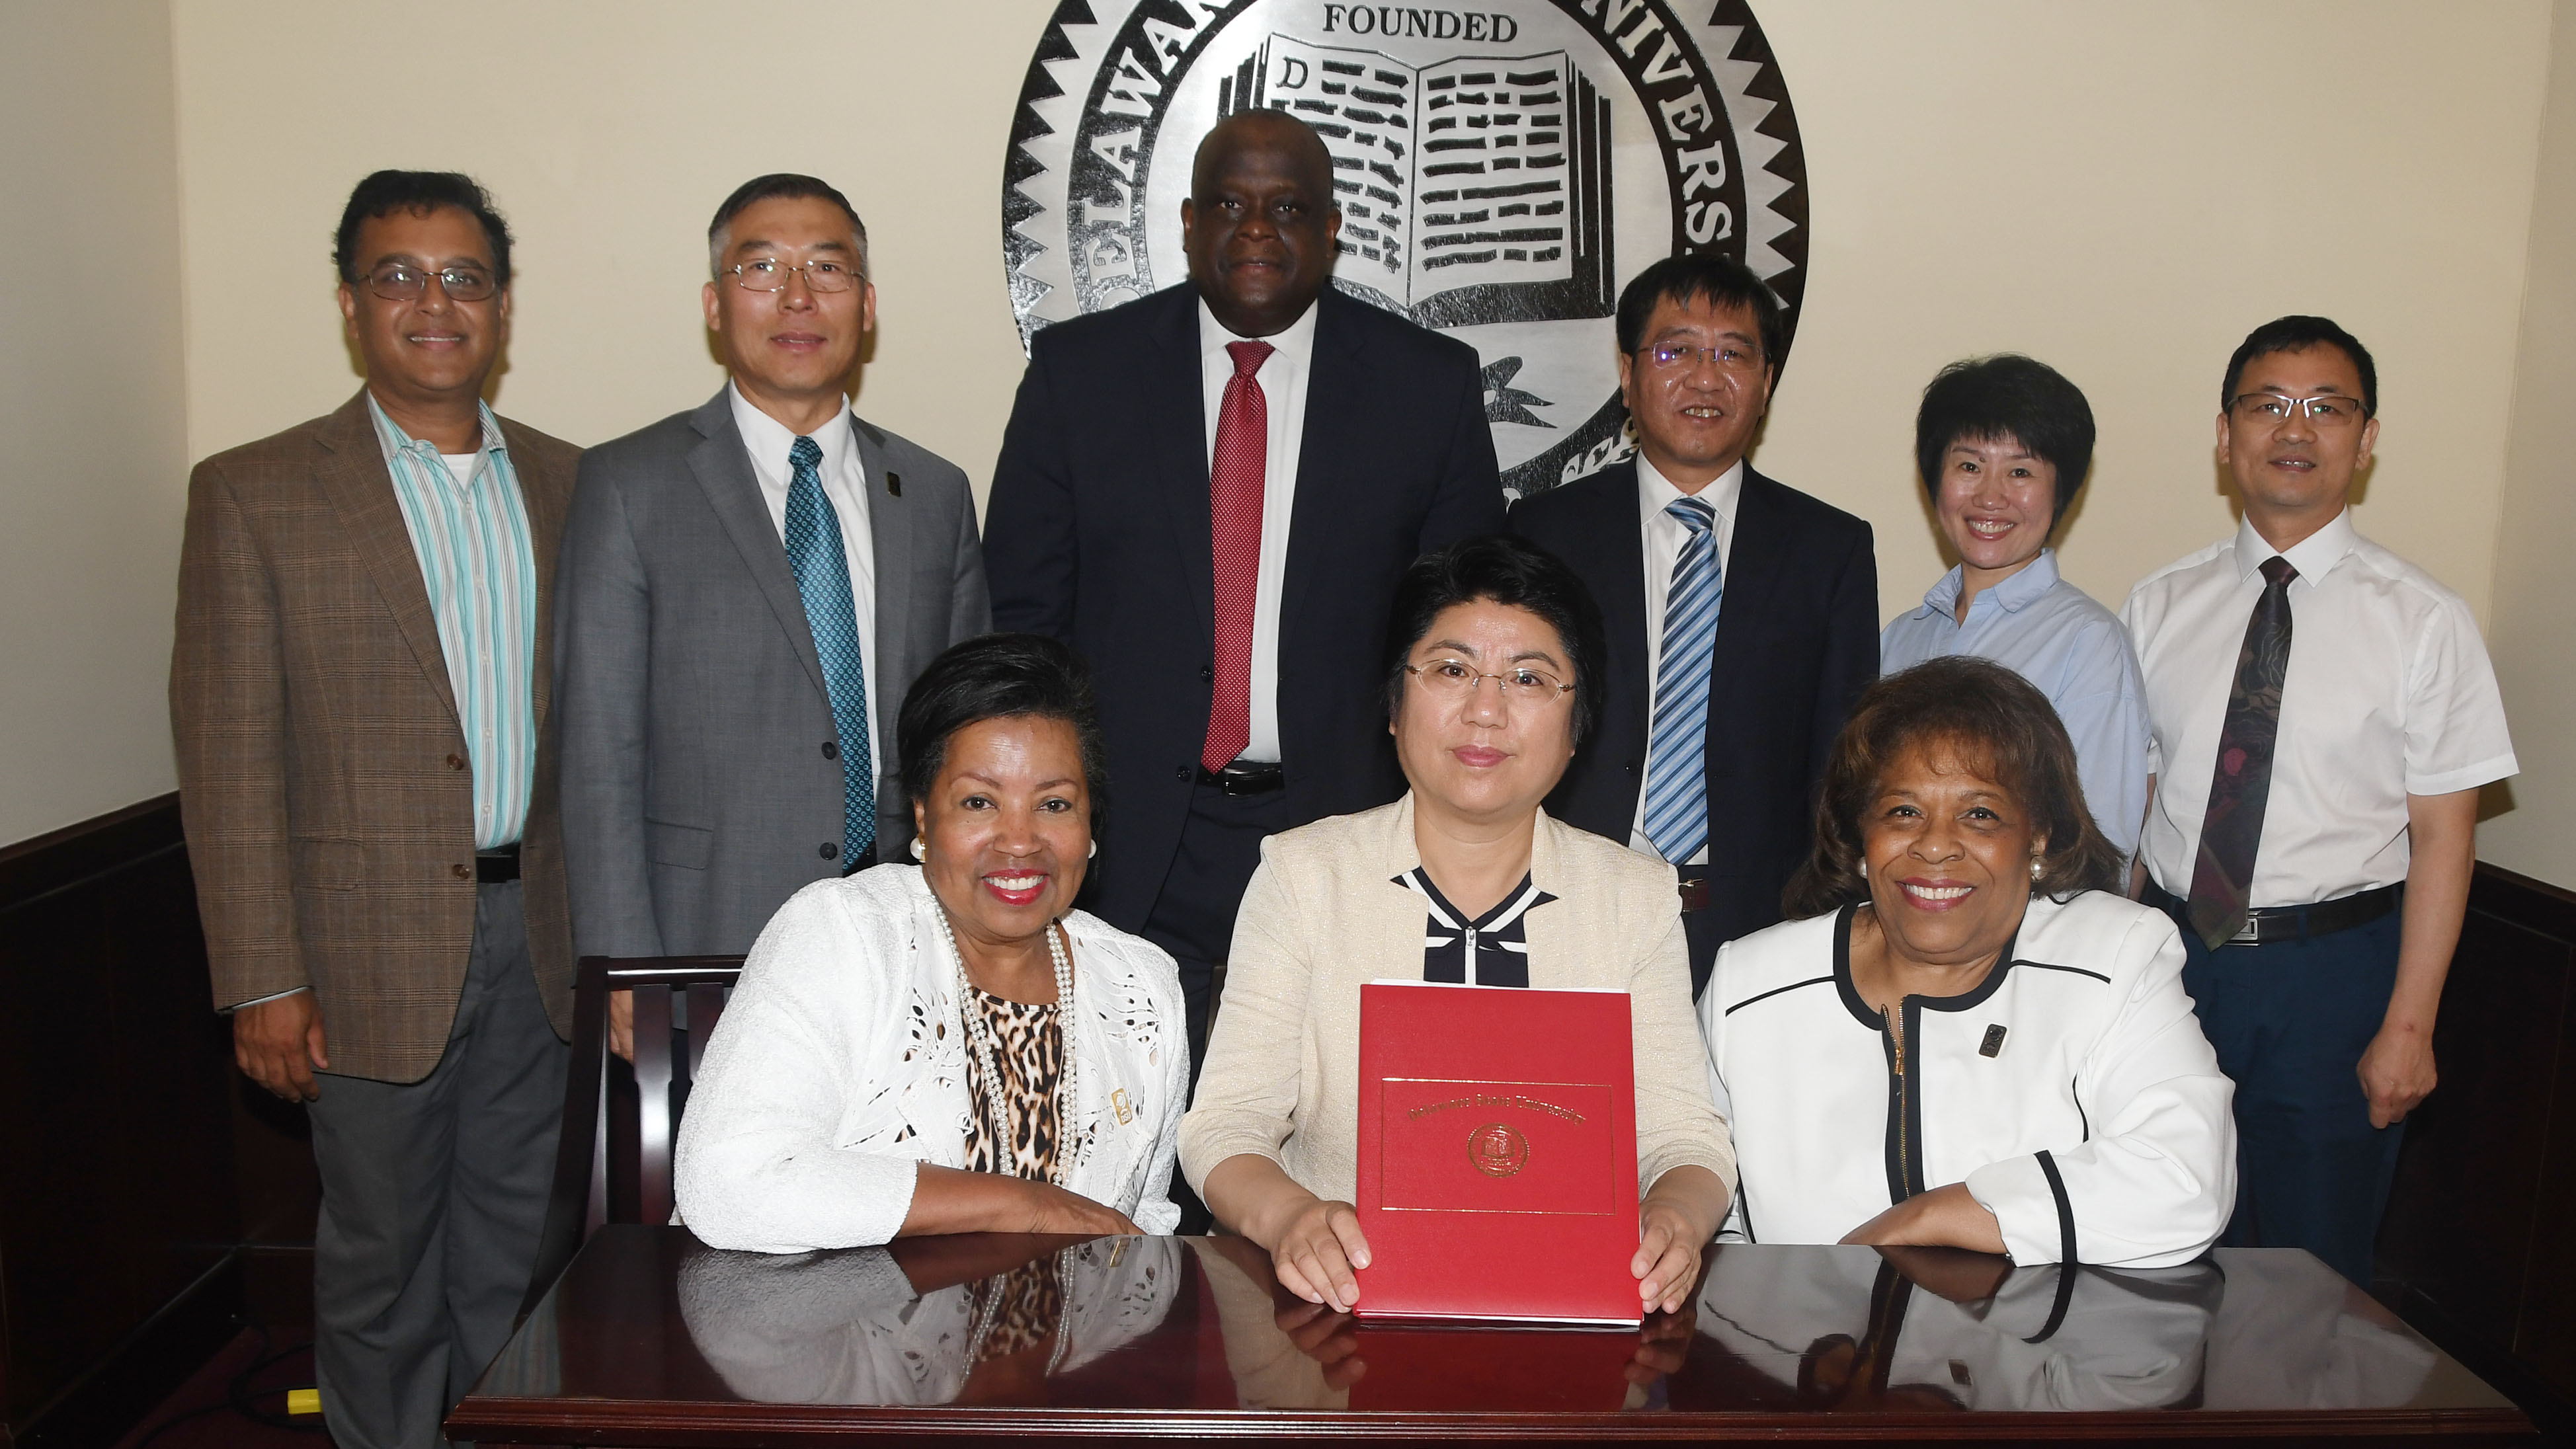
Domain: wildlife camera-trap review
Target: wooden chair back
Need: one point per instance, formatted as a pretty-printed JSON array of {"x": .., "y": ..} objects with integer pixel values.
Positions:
[{"x": 613, "y": 1162}]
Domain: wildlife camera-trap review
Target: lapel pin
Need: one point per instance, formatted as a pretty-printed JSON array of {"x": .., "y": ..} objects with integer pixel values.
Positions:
[
  {"x": 894, "y": 484},
  {"x": 1994, "y": 1042}
]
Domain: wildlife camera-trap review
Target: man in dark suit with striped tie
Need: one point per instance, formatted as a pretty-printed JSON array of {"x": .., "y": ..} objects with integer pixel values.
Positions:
[{"x": 1742, "y": 615}]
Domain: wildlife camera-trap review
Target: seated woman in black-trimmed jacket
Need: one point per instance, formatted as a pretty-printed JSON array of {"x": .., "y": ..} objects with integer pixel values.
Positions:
[{"x": 1970, "y": 1040}]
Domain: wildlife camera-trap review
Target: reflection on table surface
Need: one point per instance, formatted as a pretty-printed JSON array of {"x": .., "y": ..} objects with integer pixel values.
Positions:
[{"x": 1198, "y": 1324}]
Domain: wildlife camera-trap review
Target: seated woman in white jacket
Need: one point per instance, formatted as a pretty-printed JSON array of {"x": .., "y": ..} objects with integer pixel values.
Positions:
[
  {"x": 951, "y": 1048},
  {"x": 1969, "y": 1041}
]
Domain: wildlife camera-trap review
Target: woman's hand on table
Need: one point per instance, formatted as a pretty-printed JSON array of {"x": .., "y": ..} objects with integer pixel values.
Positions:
[
  {"x": 1674, "y": 1225},
  {"x": 950, "y": 1200},
  {"x": 1318, "y": 1252},
  {"x": 1315, "y": 1246},
  {"x": 1945, "y": 1217},
  {"x": 1053, "y": 1209}
]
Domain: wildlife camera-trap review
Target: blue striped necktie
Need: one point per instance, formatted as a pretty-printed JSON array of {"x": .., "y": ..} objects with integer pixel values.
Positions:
[
  {"x": 1677, "y": 753},
  {"x": 823, "y": 578}
]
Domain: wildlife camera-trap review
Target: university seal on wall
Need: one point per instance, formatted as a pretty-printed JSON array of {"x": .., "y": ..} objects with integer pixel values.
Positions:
[{"x": 1502, "y": 167}]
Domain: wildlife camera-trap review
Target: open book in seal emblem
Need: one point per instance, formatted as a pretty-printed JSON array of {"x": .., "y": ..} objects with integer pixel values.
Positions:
[
  {"x": 1501, "y": 171},
  {"x": 1497, "y": 1150}
]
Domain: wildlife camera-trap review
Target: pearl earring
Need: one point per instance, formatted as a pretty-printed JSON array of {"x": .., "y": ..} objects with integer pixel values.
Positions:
[
  {"x": 1094, "y": 850},
  {"x": 2036, "y": 870},
  {"x": 919, "y": 850},
  {"x": 1864, "y": 870}
]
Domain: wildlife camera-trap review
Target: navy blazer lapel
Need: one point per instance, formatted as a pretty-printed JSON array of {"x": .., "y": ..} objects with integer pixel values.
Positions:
[
  {"x": 1181, "y": 461},
  {"x": 723, "y": 469},
  {"x": 891, "y": 522},
  {"x": 1755, "y": 560},
  {"x": 1623, "y": 606},
  {"x": 361, "y": 488},
  {"x": 1338, "y": 384}
]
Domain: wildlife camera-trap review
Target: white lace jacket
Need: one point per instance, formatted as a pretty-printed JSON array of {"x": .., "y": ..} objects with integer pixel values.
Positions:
[{"x": 841, "y": 1063}]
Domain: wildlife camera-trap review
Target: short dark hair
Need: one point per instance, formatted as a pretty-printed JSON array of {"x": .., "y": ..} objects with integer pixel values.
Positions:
[
  {"x": 2003, "y": 727},
  {"x": 1723, "y": 280},
  {"x": 1504, "y": 570},
  {"x": 997, "y": 676},
  {"x": 2297, "y": 333},
  {"x": 778, "y": 185},
  {"x": 2006, "y": 396},
  {"x": 420, "y": 193}
]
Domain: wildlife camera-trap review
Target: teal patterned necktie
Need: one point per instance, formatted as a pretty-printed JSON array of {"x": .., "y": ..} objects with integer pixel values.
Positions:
[{"x": 823, "y": 578}]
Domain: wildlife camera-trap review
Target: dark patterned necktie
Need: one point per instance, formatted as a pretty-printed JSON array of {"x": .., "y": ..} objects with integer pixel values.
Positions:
[{"x": 2222, "y": 878}]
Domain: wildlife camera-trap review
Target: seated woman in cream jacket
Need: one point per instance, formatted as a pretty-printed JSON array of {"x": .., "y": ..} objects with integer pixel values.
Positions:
[
  {"x": 1492, "y": 677},
  {"x": 950, "y": 1049}
]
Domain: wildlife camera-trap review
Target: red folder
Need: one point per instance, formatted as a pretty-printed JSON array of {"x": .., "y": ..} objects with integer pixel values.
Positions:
[{"x": 1498, "y": 1153}]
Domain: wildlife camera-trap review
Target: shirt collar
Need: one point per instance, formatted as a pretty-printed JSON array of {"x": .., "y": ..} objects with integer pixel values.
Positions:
[
  {"x": 391, "y": 437},
  {"x": 1656, "y": 492},
  {"x": 2313, "y": 556},
  {"x": 1294, "y": 342},
  {"x": 769, "y": 441}
]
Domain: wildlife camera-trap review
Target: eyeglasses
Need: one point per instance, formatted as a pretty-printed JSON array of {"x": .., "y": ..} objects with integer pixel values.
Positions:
[
  {"x": 1678, "y": 357},
  {"x": 769, "y": 274},
  {"x": 397, "y": 282},
  {"x": 2326, "y": 410},
  {"x": 1455, "y": 679}
]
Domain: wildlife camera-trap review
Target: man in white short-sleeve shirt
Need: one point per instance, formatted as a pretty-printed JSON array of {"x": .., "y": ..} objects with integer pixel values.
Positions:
[{"x": 2323, "y": 714}]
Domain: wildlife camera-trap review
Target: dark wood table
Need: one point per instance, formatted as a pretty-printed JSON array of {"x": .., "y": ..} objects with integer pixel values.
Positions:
[{"x": 652, "y": 1338}]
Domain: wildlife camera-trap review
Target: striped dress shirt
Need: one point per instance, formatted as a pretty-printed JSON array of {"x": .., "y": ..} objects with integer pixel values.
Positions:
[{"x": 479, "y": 563}]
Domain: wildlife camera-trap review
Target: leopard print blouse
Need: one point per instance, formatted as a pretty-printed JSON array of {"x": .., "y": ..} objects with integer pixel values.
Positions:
[{"x": 1028, "y": 1051}]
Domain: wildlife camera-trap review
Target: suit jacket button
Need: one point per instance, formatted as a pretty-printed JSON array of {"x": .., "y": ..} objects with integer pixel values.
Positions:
[
  {"x": 1180, "y": 772},
  {"x": 828, "y": 850},
  {"x": 1207, "y": 674},
  {"x": 831, "y": 749},
  {"x": 462, "y": 872},
  {"x": 456, "y": 762}
]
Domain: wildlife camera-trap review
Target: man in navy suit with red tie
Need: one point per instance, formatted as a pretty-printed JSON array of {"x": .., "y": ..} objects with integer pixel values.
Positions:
[
  {"x": 1211, "y": 492},
  {"x": 1742, "y": 615}
]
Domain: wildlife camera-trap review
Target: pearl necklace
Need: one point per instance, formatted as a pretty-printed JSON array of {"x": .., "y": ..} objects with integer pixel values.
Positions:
[{"x": 979, "y": 1034}]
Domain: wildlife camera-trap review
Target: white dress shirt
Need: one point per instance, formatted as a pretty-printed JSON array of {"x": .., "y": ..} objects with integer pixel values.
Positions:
[
  {"x": 1664, "y": 536},
  {"x": 1282, "y": 376},
  {"x": 845, "y": 485},
  {"x": 2389, "y": 694}
]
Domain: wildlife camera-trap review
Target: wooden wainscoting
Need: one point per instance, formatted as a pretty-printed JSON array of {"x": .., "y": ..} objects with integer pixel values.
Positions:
[
  {"x": 2479, "y": 1246},
  {"x": 132, "y": 1168}
]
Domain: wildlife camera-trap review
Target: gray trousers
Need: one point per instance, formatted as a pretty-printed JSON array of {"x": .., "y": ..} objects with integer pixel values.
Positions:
[{"x": 433, "y": 1194}]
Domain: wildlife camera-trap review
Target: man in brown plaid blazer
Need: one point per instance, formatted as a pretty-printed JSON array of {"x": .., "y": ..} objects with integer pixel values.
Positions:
[{"x": 358, "y": 688}]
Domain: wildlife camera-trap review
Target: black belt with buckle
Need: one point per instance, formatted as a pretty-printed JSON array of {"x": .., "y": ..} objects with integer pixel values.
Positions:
[
  {"x": 1243, "y": 779},
  {"x": 491, "y": 867},
  {"x": 2271, "y": 925},
  {"x": 1694, "y": 893}
]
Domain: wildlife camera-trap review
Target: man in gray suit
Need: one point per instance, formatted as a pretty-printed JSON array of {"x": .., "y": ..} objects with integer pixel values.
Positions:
[{"x": 746, "y": 592}]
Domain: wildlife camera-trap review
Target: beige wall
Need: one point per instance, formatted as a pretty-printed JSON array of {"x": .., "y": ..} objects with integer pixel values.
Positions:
[
  {"x": 2534, "y": 623},
  {"x": 93, "y": 469},
  {"x": 2120, "y": 190}
]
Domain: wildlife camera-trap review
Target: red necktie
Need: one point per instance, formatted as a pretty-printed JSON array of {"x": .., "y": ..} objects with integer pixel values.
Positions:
[{"x": 1234, "y": 519}]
